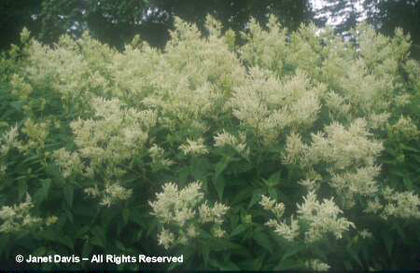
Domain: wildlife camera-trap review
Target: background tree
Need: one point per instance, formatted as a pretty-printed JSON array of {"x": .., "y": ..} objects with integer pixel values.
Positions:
[
  {"x": 116, "y": 22},
  {"x": 14, "y": 15},
  {"x": 342, "y": 15},
  {"x": 387, "y": 15}
]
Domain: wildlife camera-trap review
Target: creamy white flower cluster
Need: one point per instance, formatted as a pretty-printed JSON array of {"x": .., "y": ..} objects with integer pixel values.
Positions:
[
  {"x": 194, "y": 147},
  {"x": 30, "y": 137},
  {"x": 287, "y": 231},
  {"x": 317, "y": 265},
  {"x": 112, "y": 193},
  {"x": 316, "y": 219},
  {"x": 266, "y": 49},
  {"x": 389, "y": 203},
  {"x": 342, "y": 148},
  {"x": 7, "y": 141},
  {"x": 159, "y": 160},
  {"x": 363, "y": 91},
  {"x": 183, "y": 214},
  {"x": 66, "y": 70},
  {"x": 269, "y": 105},
  {"x": 20, "y": 88},
  {"x": 401, "y": 204},
  {"x": 114, "y": 135},
  {"x": 323, "y": 218},
  {"x": 36, "y": 134},
  {"x": 349, "y": 155},
  {"x": 224, "y": 138},
  {"x": 189, "y": 80},
  {"x": 68, "y": 162},
  {"x": 18, "y": 217},
  {"x": 405, "y": 128},
  {"x": 358, "y": 86}
]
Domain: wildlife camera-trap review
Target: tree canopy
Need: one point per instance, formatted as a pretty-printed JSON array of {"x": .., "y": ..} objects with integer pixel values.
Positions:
[{"x": 115, "y": 22}]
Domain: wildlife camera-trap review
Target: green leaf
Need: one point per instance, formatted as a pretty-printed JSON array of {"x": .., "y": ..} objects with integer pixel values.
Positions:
[
  {"x": 293, "y": 251},
  {"x": 120, "y": 246},
  {"x": 347, "y": 265},
  {"x": 40, "y": 251},
  {"x": 17, "y": 105},
  {"x": 354, "y": 256},
  {"x": 221, "y": 166},
  {"x": 82, "y": 232},
  {"x": 67, "y": 241},
  {"x": 42, "y": 193},
  {"x": 273, "y": 180},
  {"x": 389, "y": 242},
  {"x": 86, "y": 249},
  {"x": 99, "y": 237},
  {"x": 238, "y": 230},
  {"x": 68, "y": 192},
  {"x": 219, "y": 184},
  {"x": 263, "y": 240},
  {"x": 229, "y": 265},
  {"x": 252, "y": 264},
  {"x": 400, "y": 232},
  {"x": 22, "y": 189},
  {"x": 409, "y": 148},
  {"x": 288, "y": 265},
  {"x": 205, "y": 251},
  {"x": 407, "y": 183},
  {"x": 242, "y": 195},
  {"x": 256, "y": 196},
  {"x": 126, "y": 215}
]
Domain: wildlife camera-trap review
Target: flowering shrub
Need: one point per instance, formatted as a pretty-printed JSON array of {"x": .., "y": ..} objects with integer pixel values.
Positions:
[{"x": 287, "y": 150}]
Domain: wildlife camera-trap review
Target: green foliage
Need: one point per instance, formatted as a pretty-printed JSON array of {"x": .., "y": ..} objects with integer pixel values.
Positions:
[{"x": 295, "y": 150}]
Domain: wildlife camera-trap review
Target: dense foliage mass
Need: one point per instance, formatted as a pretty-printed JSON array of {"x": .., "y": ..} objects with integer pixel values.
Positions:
[
  {"x": 116, "y": 22},
  {"x": 293, "y": 150}
]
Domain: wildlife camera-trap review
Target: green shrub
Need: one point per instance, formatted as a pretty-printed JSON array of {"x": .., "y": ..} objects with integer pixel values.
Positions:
[{"x": 295, "y": 150}]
